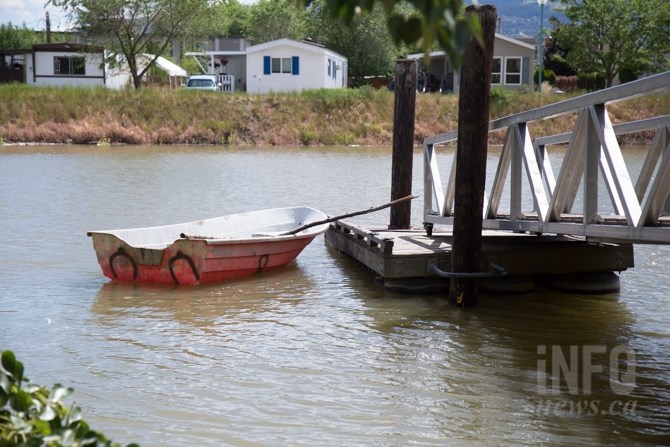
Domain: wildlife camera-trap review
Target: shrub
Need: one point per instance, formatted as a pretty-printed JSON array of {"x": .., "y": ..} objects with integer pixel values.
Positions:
[
  {"x": 547, "y": 76},
  {"x": 591, "y": 81},
  {"x": 32, "y": 415},
  {"x": 566, "y": 83},
  {"x": 500, "y": 96}
]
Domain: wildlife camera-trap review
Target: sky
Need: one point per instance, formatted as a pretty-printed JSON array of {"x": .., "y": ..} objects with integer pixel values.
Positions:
[{"x": 32, "y": 13}]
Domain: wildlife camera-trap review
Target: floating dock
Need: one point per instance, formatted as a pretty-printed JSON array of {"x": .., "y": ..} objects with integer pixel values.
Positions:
[{"x": 404, "y": 260}]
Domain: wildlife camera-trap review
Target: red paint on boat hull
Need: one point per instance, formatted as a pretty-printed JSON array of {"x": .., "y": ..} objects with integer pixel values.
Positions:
[
  {"x": 191, "y": 262},
  {"x": 209, "y": 250}
]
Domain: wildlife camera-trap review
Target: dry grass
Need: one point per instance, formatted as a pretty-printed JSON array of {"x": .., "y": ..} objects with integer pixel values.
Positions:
[{"x": 323, "y": 117}]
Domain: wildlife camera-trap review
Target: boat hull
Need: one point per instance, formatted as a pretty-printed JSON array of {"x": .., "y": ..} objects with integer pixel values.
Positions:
[{"x": 191, "y": 260}]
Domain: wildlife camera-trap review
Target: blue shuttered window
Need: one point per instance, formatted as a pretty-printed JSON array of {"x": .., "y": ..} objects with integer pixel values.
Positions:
[{"x": 281, "y": 65}]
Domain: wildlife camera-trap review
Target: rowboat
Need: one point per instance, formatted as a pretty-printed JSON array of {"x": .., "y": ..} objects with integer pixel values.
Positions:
[{"x": 209, "y": 250}]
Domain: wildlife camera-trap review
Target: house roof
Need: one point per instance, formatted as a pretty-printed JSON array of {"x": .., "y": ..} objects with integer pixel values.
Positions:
[
  {"x": 304, "y": 45},
  {"x": 72, "y": 47},
  {"x": 497, "y": 36},
  {"x": 57, "y": 47}
]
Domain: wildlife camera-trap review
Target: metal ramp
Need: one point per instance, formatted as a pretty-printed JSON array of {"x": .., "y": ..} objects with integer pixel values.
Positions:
[{"x": 591, "y": 194}]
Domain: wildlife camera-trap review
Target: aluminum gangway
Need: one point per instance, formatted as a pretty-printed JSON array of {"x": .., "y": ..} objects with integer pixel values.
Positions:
[{"x": 592, "y": 172}]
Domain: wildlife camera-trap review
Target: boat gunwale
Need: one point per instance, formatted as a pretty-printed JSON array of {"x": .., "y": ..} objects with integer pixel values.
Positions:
[{"x": 224, "y": 240}]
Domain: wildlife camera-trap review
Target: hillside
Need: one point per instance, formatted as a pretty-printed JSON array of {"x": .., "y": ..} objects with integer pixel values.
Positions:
[{"x": 521, "y": 17}]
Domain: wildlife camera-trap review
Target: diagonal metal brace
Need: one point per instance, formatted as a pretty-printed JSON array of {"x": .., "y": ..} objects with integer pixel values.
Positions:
[{"x": 493, "y": 271}]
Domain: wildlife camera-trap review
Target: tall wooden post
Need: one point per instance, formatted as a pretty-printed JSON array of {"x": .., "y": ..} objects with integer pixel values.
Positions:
[
  {"x": 403, "y": 141},
  {"x": 473, "y": 122}
]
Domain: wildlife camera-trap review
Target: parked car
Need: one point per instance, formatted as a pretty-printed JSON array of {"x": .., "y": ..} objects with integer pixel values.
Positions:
[{"x": 203, "y": 82}]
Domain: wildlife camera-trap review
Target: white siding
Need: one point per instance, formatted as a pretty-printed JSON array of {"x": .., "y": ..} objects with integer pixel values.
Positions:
[
  {"x": 313, "y": 69},
  {"x": 43, "y": 71}
]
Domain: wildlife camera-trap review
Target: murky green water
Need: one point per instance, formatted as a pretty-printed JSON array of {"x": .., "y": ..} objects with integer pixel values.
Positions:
[{"x": 315, "y": 354}]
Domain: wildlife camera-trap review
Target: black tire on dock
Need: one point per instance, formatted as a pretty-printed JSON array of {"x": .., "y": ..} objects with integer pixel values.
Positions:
[
  {"x": 595, "y": 283},
  {"x": 507, "y": 285},
  {"x": 421, "y": 286}
]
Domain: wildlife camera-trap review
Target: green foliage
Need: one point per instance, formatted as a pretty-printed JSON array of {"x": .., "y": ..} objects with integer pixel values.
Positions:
[
  {"x": 222, "y": 19},
  {"x": 32, "y": 415},
  {"x": 274, "y": 19},
  {"x": 430, "y": 21},
  {"x": 501, "y": 96},
  {"x": 604, "y": 36},
  {"x": 366, "y": 41},
  {"x": 15, "y": 38},
  {"x": 190, "y": 65},
  {"x": 591, "y": 81},
  {"x": 547, "y": 75}
]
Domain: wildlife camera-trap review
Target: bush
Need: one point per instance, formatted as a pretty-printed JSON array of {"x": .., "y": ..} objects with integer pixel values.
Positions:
[
  {"x": 31, "y": 415},
  {"x": 500, "y": 96},
  {"x": 566, "y": 83},
  {"x": 591, "y": 81},
  {"x": 547, "y": 76}
]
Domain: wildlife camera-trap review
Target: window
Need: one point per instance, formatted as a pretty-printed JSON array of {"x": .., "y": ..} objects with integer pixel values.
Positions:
[
  {"x": 513, "y": 70},
  {"x": 286, "y": 65},
  {"x": 496, "y": 72},
  {"x": 281, "y": 65},
  {"x": 290, "y": 65},
  {"x": 276, "y": 65},
  {"x": 69, "y": 65}
]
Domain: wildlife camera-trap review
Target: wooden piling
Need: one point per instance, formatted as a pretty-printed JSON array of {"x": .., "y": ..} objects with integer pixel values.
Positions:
[
  {"x": 403, "y": 141},
  {"x": 473, "y": 120}
]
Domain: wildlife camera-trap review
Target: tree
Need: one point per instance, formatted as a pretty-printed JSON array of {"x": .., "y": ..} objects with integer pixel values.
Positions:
[
  {"x": 130, "y": 29},
  {"x": 222, "y": 19},
  {"x": 606, "y": 36},
  {"x": 274, "y": 19},
  {"x": 366, "y": 42},
  {"x": 441, "y": 21},
  {"x": 15, "y": 38},
  {"x": 554, "y": 54}
]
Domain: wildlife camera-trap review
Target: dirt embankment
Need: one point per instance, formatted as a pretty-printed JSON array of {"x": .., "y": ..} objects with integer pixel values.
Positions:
[{"x": 326, "y": 117}]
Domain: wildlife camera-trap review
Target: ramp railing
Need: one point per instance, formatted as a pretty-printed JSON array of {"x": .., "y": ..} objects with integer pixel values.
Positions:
[{"x": 593, "y": 167}]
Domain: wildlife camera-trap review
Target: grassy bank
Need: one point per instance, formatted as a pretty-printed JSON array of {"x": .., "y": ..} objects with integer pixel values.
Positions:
[{"x": 324, "y": 117}]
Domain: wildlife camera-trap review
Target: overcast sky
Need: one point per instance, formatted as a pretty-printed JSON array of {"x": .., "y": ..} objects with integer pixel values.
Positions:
[{"x": 32, "y": 13}]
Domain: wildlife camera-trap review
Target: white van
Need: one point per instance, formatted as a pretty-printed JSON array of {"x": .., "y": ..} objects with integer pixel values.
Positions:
[{"x": 203, "y": 82}]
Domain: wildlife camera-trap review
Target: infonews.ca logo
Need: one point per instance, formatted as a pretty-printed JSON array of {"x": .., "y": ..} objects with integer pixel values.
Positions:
[{"x": 571, "y": 370}]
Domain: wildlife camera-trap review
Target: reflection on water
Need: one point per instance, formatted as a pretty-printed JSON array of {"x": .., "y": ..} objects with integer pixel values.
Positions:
[{"x": 313, "y": 354}]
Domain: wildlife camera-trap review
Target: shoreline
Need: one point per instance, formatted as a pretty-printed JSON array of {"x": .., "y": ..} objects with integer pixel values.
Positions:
[{"x": 347, "y": 117}]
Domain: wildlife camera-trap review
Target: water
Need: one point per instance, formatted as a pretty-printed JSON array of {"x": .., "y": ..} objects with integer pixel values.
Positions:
[{"x": 316, "y": 353}]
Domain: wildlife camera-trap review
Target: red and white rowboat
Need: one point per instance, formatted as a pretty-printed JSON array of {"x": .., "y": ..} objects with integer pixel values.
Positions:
[{"x": 209, "y": 250}]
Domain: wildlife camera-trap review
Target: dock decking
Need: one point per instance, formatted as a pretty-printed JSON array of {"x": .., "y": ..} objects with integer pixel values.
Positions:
[{"x": 401, "y": 259}]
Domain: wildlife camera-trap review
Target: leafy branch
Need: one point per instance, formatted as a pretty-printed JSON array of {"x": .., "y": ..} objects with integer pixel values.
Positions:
[{"x": 34, "y": 416}]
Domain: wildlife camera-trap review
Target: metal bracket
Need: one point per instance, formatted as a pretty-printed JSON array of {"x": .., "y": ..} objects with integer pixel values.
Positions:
[{"x": 493, "y": 271}]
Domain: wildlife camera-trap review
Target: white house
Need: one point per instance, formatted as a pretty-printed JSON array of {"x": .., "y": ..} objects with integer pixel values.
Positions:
[
  {"x": 277, "y": 66},
  {"x": 287, "y": 65},
  {"x": 54, "y": 64},
  {"x": 513, "y": 64}
]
